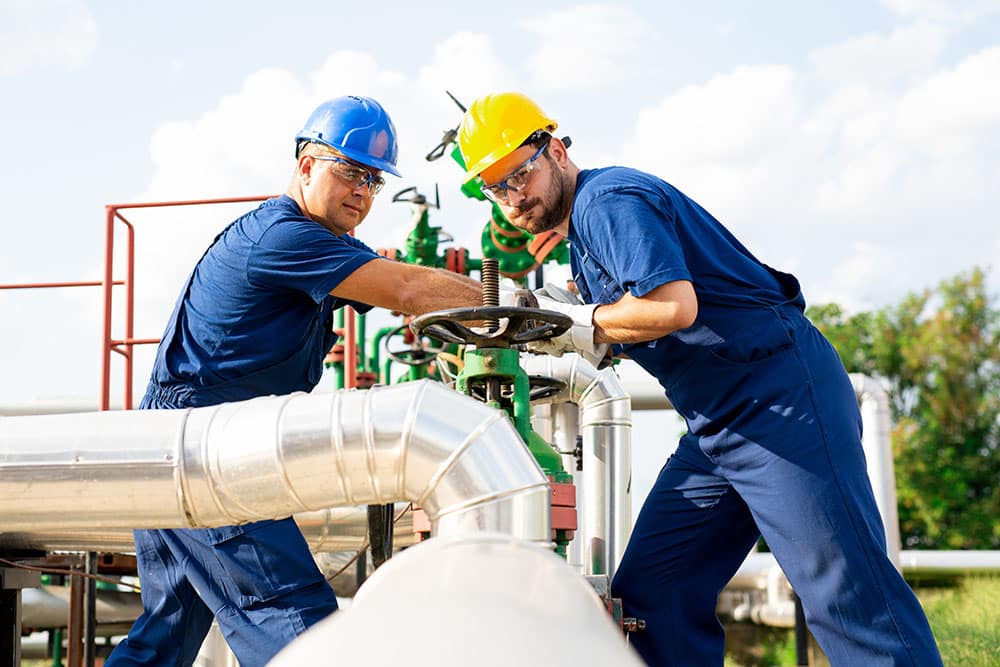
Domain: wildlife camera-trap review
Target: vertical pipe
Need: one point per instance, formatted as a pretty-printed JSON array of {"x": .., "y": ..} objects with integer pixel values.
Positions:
[
  {"x": 129, "y": 315},
  {"x": 620, "y": 504},
  {"x": 801, "y": 633},
  {"x": 876, "y": 441},
  {"x": 596, "y": 491},
  {"x": 350, "y": 350},
  {"x": 338, "y": 367},
  {"x": 57, "y": 652},
  {"x": 10, "y": 626},
  {"x": 109, "y": 251},
  {"x": 90, "y": 609},
  {"x": 74, "y": 624},
  {"x": 363, "y": 353},
  {"x": 565, "y": 429}
]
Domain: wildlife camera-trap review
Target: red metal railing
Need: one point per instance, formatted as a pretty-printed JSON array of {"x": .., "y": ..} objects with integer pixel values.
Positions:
[{"x": 124, "y": 345}]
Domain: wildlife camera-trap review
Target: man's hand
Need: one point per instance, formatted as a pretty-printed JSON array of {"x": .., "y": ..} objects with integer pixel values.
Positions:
[{"x": 580, "y": 337}]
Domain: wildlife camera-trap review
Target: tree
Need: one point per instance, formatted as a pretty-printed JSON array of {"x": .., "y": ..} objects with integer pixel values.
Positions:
[{"x": 938, "y": 353}]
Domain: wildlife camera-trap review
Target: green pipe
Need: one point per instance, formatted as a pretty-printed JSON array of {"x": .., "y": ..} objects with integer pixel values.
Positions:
[
  {"x": 360, "y": 328},
  {"x": 338, "y": 367},
  {"x": 57, "y": 638},
  {"x": 376, "y": 346}
]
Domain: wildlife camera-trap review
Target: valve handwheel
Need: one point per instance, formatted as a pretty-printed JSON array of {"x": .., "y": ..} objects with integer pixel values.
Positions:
[
  {"x": 411, "y": 356},
  {"x": 516, "y": 325}
]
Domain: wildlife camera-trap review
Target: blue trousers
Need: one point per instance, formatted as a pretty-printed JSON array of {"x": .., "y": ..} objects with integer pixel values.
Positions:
[
  {"x": 773, "y": 448},
  {"x": 258, "y": 580}
]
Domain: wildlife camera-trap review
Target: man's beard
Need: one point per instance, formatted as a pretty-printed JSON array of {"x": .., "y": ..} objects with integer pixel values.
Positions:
[{"x": 550, "y": 216}]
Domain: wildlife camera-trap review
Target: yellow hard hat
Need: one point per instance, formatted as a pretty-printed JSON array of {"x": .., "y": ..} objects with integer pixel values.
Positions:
[{"x": 495, "y": 126}]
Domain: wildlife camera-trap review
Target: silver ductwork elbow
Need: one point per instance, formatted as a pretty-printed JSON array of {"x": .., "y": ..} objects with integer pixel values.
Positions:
[
  {"x": 271, "y": 457},
  {"x": 606, "y": 429}
]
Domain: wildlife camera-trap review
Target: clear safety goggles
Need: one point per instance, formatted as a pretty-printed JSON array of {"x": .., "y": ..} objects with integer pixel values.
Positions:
[
  {"x": 355, "y": 176},
  {"x": 516, "y": 181}
]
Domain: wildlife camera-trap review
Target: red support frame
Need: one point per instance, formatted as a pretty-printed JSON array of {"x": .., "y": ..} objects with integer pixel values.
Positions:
[{"x": 124, "y": 345}]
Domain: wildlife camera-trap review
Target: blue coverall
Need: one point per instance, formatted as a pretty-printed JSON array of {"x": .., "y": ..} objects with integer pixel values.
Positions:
[
  {"x": 773, "y": 446},
  {"x": 255, "y": 318}
]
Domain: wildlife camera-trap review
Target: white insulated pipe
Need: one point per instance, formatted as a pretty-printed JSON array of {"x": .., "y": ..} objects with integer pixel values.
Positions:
[
  {"x": 271, "y": 457},
  {"x": 483, "y": 600},
  {"x": 877, "y": 443},
  {"x": 606, "y": 426}
]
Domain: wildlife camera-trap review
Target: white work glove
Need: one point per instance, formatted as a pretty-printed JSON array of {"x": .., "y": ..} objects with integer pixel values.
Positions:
[
  {"x": 507, "y": 295},
  {"x": 580, "y": 336}
]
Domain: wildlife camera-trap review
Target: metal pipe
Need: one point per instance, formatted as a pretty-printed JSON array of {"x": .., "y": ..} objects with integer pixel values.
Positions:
[
  {"x": 269, "y": 457},
  {"x": 107, "y": 283},
  {"x": 48, "y": 607},
  {"x": 566, "y": 428},
  {"x": 328, "y": 530},
  {"x": 767, "y": 596},
  {"x": 877, "y": 443},
  {"x": 606, "y": 427}
]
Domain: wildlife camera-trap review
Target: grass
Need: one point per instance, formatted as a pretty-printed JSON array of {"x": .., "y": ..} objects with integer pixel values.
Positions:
[{"x": 966, "y": 621}]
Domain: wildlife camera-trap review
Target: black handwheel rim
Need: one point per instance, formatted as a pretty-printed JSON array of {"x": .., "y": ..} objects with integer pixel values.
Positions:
[{"x": 448, "y": 325}]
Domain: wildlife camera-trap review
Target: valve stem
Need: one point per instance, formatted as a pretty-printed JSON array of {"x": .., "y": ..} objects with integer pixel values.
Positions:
[{"x": 490, "y": 274}]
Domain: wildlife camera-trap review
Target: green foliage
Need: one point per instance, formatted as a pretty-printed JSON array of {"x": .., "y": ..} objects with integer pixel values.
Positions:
[{"x": 938, "y": 353}]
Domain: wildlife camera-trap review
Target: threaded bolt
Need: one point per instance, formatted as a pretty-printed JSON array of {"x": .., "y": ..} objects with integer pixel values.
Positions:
[{"x": 490, "y": 274}]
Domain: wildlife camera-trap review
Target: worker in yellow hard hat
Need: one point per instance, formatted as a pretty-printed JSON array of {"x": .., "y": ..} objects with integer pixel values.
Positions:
[{"x": 773, "y": 446}]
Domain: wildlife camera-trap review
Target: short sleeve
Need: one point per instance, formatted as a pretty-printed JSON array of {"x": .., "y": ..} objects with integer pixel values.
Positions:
[
  {"x": 632, "y": 233},
  {"x": 302, "y": 255}
]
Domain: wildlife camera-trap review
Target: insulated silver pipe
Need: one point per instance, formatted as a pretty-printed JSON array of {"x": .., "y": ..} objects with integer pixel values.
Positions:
[
  {"x": 559, "y": 423},
  {"x": 329, "y": 530},
  {"x": 606, "y": 427},
  {"x": 270, "y": 457}
]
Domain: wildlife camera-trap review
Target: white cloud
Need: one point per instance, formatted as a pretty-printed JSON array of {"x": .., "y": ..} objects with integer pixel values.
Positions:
[
  {"x": 879, "y": 60},
  {"x": 738, "y": 137},
  {"x": 589, "y": 45},
  {"x": 864, "y": 273},
  {"x": 952, "y": 109},
  {"x": 943, "y": 10},
  {"x": 45, "y": 33},
  {"x": 466, "y": 64}
]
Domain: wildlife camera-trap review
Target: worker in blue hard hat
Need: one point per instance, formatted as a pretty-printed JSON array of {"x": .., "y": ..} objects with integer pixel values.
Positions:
[
  {"x": 773, "y": 442},
  {"x": 256, "y": 318}
]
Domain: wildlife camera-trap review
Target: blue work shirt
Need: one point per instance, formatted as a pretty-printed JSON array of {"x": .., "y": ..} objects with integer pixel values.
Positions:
[
  {"x": 255, "y": 316},
  {"x": 631, "y": 231}
]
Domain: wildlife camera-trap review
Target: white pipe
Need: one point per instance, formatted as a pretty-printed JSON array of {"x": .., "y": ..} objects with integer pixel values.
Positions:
[
  {"x": 271, "y": 457},
  {"x": 48, "y": 607},
  {"x": 761, "y": 574},
  {"x": 606, "y": 426},
  {"x": 483, "y": 600},
  {"x": 877, "y": 443}
]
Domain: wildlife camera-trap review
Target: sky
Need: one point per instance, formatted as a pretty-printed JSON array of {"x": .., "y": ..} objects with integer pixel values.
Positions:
[{"x": 855, "y": 144}]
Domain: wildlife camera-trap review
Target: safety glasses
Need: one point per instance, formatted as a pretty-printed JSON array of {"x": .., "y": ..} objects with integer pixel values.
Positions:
[
  {"x": 354, "y": 175},
  {"x": 516, "y": 181}
]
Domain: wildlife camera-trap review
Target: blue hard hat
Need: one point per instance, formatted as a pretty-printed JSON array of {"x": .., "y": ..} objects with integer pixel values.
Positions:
[{"x": 357, "y": 127}]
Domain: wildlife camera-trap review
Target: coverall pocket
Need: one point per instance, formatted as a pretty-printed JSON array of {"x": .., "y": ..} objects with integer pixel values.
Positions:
[
  {"x": 265, "y": 559},
  {"x": 766, "y": 336}
]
